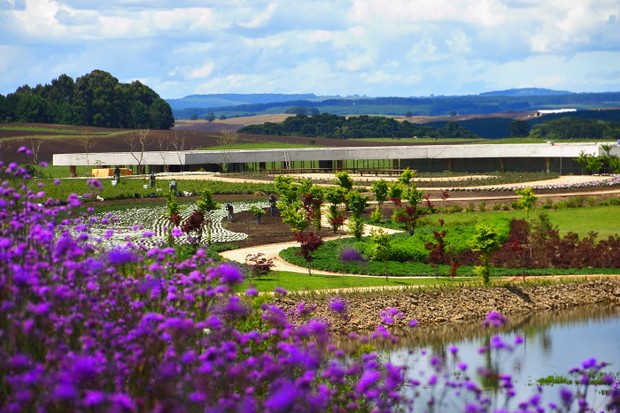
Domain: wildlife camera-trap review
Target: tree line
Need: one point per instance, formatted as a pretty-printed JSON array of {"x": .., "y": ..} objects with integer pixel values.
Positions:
[
  {"x": 95, "y": 99},
  {"x": 355, "y": 127}
]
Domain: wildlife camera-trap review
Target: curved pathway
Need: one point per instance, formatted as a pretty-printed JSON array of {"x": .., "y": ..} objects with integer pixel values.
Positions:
[{"x": 273, "y": 251}]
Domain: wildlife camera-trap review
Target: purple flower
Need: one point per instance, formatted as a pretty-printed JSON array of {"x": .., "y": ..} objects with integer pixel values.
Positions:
[
  {"x": 253, "y": 292},
  {"x": 338, "y": 305},
  {"x": 351, "y": 255},
  {"x": 566, "y": 395},
  {"x": 413, "y": 323},
  {"x": 368, "y": 379},
  {"x": 93, "y": 398},
  {"x": 494, "y": 319},
  {"x": 229, "y": 274},
  {"x": 24, "y": 150},
  {"x": 461, "y": 365},
  {"x": 176, "y": 232},
  {"x": 94, "y": 184},
  {"x": 282, "y": 396},
  {"x": 280, "y": 290},
  {"x": 589, "y": 363},
  {"x": 120, "y": 256},
  {"x": 65, "y": 391}
]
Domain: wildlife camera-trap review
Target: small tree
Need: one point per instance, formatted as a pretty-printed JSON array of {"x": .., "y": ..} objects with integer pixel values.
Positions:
[
  {"x": 258, "y": 264},
  {"x": 406, "y": 176},
  {"x": 309, "y": 242},
  {"x": 295, "y": 216},
  {"x": 174, "y": 215},
  {"x": 527, "y": 200},
  {"x": 380, "y": 190},
  {"x": 395, "y": 193},
  {"x": 409, "y": 215},
  {"x": 205, "y": 205},
  {"x": 258, "y": 212},
  {"x": 312, "y": 201},
  {"x": 357, "y": 204},
  {"x": 485, "y": 239},
  {"x": 343, "y": 180},
  {"x": 335, "y": 196},
  {"x": 381, "y": 248}
]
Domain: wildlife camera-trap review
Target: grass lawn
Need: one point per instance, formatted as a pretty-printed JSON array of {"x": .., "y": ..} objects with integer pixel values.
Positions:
[
  {"x": 291, "y": 281},
  {"x": 605, "y": 220}
]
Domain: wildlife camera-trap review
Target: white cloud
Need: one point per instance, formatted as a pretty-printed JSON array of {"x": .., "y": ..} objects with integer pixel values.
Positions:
[
  {"x": 371, "y": 47},
  {"x": 259, "y": 19}
]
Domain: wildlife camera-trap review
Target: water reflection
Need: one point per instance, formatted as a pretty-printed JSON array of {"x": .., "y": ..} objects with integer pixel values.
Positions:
[
  {"x": 544, "y": 344},
  {"x": 535, "y": 327}
]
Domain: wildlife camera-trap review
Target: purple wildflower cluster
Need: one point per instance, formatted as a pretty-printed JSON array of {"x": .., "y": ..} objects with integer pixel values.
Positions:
[
  {"x": 351, "y": 255},
  {"x": 137, "y": 329}
]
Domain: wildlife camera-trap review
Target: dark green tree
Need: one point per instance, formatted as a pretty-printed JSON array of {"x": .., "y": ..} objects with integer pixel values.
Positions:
[{"x": 519, "y": 129}]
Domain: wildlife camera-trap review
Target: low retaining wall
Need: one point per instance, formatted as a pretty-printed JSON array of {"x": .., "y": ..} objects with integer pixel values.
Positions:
[{"x": 440, "y": 305}]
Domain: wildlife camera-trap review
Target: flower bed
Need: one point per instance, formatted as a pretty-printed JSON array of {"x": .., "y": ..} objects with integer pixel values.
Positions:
[{"x": 151, "y": 227}]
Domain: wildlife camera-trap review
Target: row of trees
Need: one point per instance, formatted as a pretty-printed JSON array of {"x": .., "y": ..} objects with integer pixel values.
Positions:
[
  {"x": 95, "y": 99},
  {"x": 605, "y": 163},
  {"x": 355, "y": 127},
  {"x": 568, "y": 128},
  {"x": 301, "y": 204}
]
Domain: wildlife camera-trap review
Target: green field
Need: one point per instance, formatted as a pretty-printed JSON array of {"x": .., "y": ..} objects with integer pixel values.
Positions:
[
  {"x": 292, "y": 281},
  {"x": 604, "y": 220}
]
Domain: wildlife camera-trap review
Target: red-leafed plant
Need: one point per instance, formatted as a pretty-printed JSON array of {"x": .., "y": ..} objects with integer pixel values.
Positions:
[{"x": 309, "y": 242}]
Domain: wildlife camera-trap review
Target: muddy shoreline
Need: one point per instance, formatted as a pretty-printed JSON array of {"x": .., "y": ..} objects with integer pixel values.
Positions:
[{"x": 440, "y": 306}]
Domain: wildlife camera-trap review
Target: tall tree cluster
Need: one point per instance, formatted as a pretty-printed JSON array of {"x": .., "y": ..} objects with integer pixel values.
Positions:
[
  {"x": 95, "y": 99},
  {"x": 354, "y": 127}
]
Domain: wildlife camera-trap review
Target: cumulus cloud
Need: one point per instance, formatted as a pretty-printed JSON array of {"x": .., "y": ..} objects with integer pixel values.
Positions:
[{"x": 367, "y": 47}]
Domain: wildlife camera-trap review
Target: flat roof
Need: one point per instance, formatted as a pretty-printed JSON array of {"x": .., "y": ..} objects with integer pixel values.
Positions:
[{"x": 203, "y": 157}]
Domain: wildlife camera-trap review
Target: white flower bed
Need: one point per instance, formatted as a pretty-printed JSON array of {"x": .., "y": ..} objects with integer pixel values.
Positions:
[{"x": 151, "y": 226}]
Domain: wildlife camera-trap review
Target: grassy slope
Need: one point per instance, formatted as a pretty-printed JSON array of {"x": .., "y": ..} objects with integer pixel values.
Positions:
[{"x": 605, "y": 220}]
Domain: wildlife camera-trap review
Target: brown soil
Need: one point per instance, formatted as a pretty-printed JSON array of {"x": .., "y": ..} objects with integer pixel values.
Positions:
[
  {"x": 271, "y": 230},
  {"x": 202, "y": 135}
]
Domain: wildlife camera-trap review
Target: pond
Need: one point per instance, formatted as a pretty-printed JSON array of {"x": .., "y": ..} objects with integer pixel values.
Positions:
[{"x": 552, "y": 344}]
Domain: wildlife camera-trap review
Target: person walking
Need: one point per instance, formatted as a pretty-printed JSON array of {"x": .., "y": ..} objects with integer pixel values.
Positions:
[
  {"x": 117, "y": 174},
  {"x": 272, "y": 205},
  {"x": 229, "y": 210},
  {"x": 173, "y": 187}
]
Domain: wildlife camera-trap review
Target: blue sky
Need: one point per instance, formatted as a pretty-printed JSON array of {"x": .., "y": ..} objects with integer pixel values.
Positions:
[{"x": 338, "y": 47}]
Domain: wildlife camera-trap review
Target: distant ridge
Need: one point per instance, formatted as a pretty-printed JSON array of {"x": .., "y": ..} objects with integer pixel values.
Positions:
[
  {"x": 224, "y": 106},
  {"x": 530, "y": 91},
  {"x": 235, "y": 99}
]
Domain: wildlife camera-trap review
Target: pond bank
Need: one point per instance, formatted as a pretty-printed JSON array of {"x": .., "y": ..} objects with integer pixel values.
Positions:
[{"x": 442, "y": 305}]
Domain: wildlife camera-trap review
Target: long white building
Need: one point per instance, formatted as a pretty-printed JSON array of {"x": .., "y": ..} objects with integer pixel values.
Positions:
[{"x": 548, "y": 157}]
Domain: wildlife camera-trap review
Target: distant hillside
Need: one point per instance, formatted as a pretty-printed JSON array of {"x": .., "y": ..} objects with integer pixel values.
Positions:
[
  {"x": 530, "y": 91},
  {"x": 234, "y": 99},
  {"x": 514, "y": 100}
]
